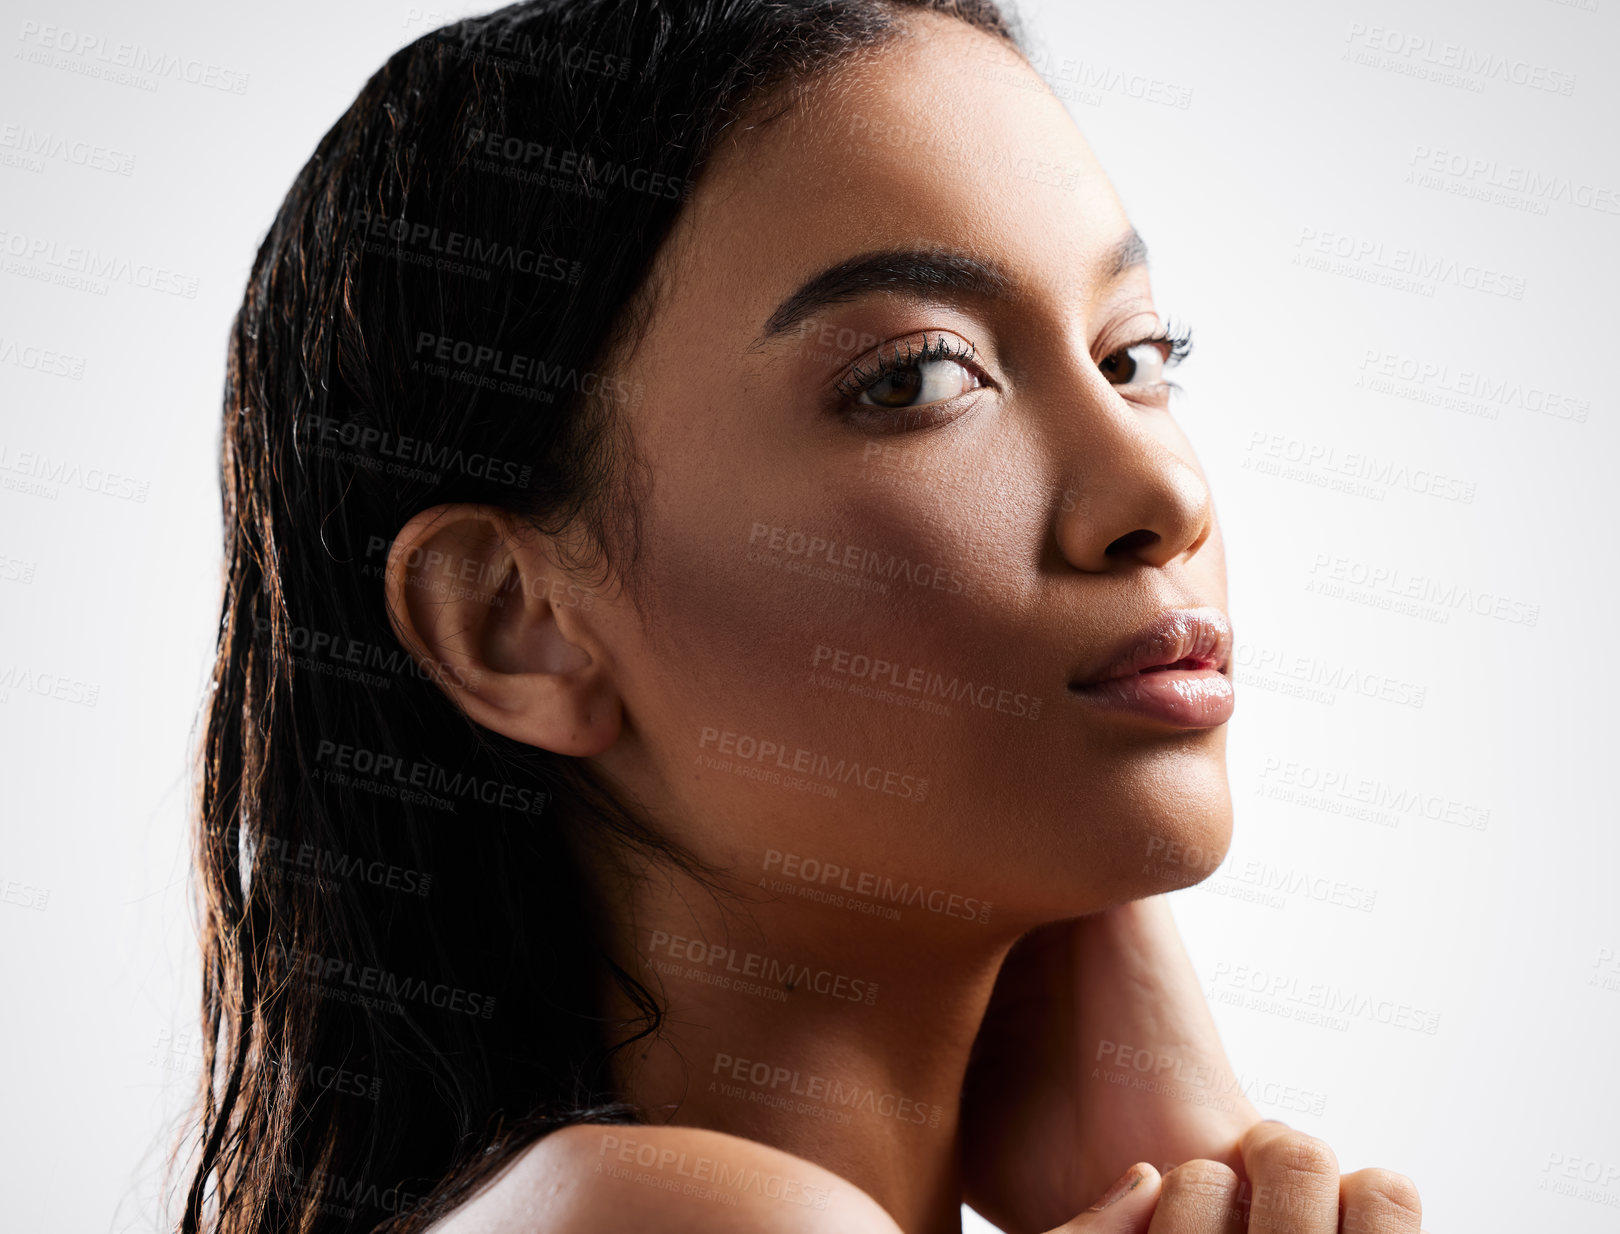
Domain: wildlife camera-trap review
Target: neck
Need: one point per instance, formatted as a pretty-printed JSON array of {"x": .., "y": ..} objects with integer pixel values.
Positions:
[{"x": 840, "y": 1036}]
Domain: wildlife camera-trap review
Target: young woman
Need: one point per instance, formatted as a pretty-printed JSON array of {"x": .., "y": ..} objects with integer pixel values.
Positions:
[{"x": 723, "y": 647}]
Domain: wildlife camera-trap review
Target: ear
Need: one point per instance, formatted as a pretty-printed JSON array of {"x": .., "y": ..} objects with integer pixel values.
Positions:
[{"x": 474, "y": 594}]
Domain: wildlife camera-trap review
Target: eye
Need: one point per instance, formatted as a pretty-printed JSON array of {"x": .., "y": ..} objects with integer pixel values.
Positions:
[
  {"x": 919, "y": 383},
  {"x": 910, "y": 376},
  {"x": 1145, "y": 362},
  {"x": 1138, "y": 364}
]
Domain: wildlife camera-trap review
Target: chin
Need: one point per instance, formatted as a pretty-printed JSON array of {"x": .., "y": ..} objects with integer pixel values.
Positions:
[
  {"x": 1048, "y": 837},
  {"x": 1136, "y": 856},
  {"x": 1176, "y": 836},
  {"x": 1182, "y": 851}
]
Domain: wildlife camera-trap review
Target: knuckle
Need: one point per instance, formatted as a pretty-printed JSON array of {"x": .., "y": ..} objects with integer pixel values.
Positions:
[
  {"x": 1204, "y": 1178},
  {"x": 1299, "y": 1157},
  {"x": 1387, "y": 1202}
]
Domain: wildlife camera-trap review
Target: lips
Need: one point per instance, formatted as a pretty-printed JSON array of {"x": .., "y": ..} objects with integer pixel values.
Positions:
[
  {"x": 1175, "y": 671},
  {"x": 1193, "y": 639}
]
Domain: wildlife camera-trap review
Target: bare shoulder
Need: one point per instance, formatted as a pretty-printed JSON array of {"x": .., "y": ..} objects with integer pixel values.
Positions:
[{"x": 664, "y": 1180}]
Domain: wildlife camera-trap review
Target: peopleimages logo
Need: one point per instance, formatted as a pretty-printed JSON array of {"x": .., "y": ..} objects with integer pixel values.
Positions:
[
  {"x": 312, "y": 647},
  {"x": 373, "y": 445},
  {"x": 1287, "y": 455},
  {"x": 744, "y": 753},
  {"x": 341, "y": 1080},
  {"x": 1399, "y": 800},
  {"x": 515, "y": 373},
  {"x": 1469, "y": 384},
  {"x": 427, "y": 776},
  {"x": 462, "y": 251},
  {"x": 1318, "y": 1000},
  {"x": 730, "y": 961},
  {"x": 921, "y": 681},
  {"x": 36, "y": 145},
  {"x": 311, "y": 861},
  {"x": 829, "y": 877},
  {"x": 1491, "y": 173},
  {"x": 1445, "y": 595},
  {"x": 39, "y": 472},
  {"x": 1424, "y": 50},
  {"x": 1261, "y": 663},
  {"x": 524, "y": 52},
  {"x": 767, "y": 543},
  {"x": 367, "y": 984},
  {"x": 93, "y": 50},
  {"x": 727, "y": 1180},
  {"x": 36, "y": 359},
  {"x": 587, "y": 170},
  {"x": 785, "y": 1083},
  {"x": 1399, "y": 266},
  {"x": 76, "y": 259},
  {"x": 1200, "y": 1082}
]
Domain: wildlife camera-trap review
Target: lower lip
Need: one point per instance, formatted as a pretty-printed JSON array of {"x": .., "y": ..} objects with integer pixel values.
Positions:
[{"x": 1186, "y": 698}]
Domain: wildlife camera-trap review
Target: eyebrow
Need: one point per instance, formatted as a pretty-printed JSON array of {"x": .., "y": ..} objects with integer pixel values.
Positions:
[{"x": 923, "y": 272}]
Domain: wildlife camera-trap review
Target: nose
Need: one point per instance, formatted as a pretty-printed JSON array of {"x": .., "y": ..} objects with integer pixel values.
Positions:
[{"x": 1133, "y": 500}]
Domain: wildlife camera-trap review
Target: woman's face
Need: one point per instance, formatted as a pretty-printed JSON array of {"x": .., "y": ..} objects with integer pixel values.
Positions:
[{"x": 851, "y": 586}]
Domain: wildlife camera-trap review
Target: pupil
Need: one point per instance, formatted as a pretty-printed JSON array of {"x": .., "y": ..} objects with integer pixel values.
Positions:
[{"x": 902, "y": 388}]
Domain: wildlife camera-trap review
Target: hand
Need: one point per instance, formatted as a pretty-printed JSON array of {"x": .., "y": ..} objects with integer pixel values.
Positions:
[
  {"x": 1294, "y": 1187},
  {"x": 1078, "y": 1006}
]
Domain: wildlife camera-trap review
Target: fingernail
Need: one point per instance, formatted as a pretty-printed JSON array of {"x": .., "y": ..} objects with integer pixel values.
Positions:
[{"x": 1125, "y": 1183}]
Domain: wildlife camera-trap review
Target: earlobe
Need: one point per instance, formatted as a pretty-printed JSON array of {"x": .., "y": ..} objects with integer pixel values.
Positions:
[{"x": 470, "y": 596}]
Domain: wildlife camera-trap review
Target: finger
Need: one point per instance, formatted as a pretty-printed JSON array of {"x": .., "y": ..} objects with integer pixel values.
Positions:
[
  {"x": 1125, "y": 1208},
  {"x": 1198, "y": 1197},
  {"x": 1380, "y": 1202},
  {"x": 1293, "y": 1181}
]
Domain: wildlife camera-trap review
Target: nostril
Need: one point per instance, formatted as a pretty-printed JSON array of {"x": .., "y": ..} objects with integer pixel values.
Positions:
[{"x": 1132, "y": 542}]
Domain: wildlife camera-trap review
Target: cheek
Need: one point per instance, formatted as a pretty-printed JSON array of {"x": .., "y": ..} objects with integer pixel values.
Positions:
[
  {"x": 870, "y": 616},
  {"x": 894, "y": 638}
]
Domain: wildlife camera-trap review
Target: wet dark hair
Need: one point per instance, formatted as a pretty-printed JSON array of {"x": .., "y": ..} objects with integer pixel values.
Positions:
[{"x": 403, "y": 972}]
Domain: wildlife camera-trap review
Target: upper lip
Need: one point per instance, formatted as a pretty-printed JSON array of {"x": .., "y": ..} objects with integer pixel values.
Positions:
[{"x": 1201, "y": 636}]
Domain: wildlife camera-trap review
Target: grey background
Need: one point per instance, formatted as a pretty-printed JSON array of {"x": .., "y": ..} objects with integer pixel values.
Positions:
[{"x": 1281, "y": 160}]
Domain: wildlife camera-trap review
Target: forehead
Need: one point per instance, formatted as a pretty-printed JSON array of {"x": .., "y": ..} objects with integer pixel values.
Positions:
[{"x": 943, "y": 138}]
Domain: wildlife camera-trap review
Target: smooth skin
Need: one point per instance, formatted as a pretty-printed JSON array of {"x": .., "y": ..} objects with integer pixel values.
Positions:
[{"x": 1055, "y": 506}]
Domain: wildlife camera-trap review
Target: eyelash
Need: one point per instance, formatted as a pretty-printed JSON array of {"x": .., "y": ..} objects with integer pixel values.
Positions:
[
  {"x": 1175, "y": 336},
  {"x": 1180, "y": 337},
  {"x": 943, "y": 347}
]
